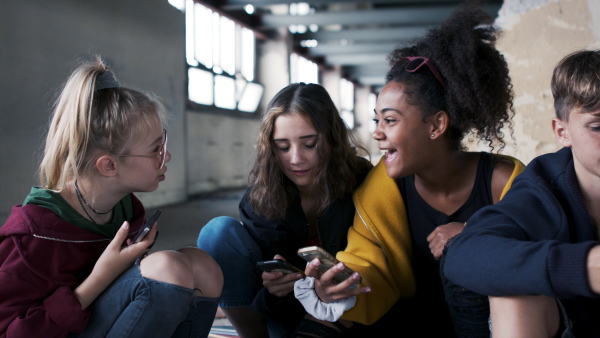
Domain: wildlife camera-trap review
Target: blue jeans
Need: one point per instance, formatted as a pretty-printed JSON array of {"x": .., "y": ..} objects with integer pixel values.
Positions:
[
  {"x": 135, "y": 306},
  {"x": 228, "y": 242}
]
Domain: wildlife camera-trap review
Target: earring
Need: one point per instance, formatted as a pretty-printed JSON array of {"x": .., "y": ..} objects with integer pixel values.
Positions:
[{"x": 432, "y": 135}]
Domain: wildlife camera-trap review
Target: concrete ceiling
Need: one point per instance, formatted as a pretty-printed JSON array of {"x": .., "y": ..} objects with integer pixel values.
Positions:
[{"x": 352, "y": 34}]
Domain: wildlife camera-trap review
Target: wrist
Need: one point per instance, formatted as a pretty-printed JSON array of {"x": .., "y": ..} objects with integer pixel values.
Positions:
[{"x": 593, "y": 268}]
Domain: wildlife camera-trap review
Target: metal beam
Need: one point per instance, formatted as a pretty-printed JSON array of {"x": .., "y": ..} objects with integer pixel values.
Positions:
[
  {"x": 405, "y": 16},
  {"x": 323, "y": 49},
  {"x": 259, "y": 3},
  {"x": 380, "y": 69},
  {"x": 356, "y": 59},
  {"x": 396, "y": 34},
  {"x": 371, "y": 80}
]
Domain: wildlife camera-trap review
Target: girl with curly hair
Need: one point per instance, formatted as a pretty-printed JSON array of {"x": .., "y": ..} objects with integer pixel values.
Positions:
[
  {"x": 299, "y": 194},
  {"x": 449, "y": 84}
]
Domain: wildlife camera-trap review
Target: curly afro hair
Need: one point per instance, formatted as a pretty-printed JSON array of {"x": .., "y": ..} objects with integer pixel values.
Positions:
[{"x": 479, "y": 92}]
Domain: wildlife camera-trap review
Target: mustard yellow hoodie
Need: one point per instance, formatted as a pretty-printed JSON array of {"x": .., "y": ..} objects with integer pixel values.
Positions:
[{"x": 379, "y": 244}]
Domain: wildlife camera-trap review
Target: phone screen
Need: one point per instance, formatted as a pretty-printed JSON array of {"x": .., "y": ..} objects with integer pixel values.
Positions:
[{"x": 327, "y": 262}]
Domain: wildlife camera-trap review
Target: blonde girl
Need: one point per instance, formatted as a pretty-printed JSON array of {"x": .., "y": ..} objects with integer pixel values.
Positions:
[{"x": 68, "y": 266}]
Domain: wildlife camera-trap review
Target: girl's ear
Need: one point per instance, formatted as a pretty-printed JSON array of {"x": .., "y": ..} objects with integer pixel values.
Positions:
[
  {"x": 439, "y": 124},
  {"x": 559, "y": 127},
  {"x": 106, "y": 165}
]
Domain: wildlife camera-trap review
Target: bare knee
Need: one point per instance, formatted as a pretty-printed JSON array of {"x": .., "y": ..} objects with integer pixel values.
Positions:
[
  {"x": 524, "y": 316},
  {"x": 170, "y": 267},
  {"x": 207, "y": 274}
]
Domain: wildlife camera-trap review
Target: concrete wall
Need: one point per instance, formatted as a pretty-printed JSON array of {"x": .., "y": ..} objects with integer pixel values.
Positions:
[{"x": 537, "y": 34}]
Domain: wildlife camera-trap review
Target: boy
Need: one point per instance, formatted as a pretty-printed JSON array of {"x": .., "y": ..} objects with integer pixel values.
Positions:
[{"x": 537, "y": 250}]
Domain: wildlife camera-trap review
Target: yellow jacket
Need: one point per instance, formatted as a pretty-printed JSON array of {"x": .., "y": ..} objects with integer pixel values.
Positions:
[{"x": 379, "y": 244}]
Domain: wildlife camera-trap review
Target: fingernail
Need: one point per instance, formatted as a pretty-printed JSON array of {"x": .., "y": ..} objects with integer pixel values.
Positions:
[
  {"x": 340, "y": 266},
  {"x": 125, "y": 225},
  {"x": 315, "y": 261},
  {"x": 355, "y": 275}
]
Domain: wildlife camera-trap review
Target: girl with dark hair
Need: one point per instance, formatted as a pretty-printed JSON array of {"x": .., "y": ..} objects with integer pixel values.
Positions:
[
  {"x": 449, "y": 84},
  {"x": 299, "y": 194},
  {"x": 68, "y": 262}
]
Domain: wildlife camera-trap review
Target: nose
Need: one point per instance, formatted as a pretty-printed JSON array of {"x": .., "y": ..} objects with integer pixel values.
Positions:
[
  {"x": 297, "y": 157},
  {"x": 378, "y": 134},
  {"x": 167, "y": 156}
]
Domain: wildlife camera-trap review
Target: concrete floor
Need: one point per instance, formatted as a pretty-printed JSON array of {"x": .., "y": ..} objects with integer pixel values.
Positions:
[{"x": 179, "y": 224}]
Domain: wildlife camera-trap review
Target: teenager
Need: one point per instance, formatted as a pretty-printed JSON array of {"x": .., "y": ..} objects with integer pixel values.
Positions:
[
  {"x": 299, "y": 194},
  {"x": 537, "y": 253},
  {"x": 67, "y": 262}
]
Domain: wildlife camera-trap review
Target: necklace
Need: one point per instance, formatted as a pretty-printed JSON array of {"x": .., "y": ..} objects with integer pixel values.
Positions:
[
  {"x": 83, "y": 207},
  {"x": 80, "y": 197}
]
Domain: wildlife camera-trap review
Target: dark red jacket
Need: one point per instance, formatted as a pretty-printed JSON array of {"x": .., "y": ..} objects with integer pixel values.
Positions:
[{"x": 42, "y": 259}]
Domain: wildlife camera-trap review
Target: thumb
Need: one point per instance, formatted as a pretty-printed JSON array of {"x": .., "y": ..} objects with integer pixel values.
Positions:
[
  {"x": 121, "y": 234},
  {"x": 278, "y": 256}
]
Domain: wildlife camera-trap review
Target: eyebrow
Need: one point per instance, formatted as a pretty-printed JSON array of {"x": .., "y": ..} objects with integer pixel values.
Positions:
[
  {"x": 157, "y": 140},
  {"x": 385, "y": 110},
  {"x": 301, "y": 137}
]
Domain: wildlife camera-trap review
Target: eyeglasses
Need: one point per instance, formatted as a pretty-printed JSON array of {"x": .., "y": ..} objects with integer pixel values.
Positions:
[
  {"x": 162, "y": 152},
  {"x": 413, "y": 65}
]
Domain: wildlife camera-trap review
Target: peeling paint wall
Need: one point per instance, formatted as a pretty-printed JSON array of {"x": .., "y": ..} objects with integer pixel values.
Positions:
[{"x": 537, "y": 34}]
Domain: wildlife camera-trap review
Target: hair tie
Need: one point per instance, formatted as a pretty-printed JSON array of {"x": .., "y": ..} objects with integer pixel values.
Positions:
[{"x": 106, "y": 80}]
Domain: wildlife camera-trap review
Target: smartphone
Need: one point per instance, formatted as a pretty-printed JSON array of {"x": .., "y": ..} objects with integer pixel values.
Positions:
[
  {"x": 147, "y": 226},
  {"x": 327, "y": 261},
  {"x": 277, "y": 265}
]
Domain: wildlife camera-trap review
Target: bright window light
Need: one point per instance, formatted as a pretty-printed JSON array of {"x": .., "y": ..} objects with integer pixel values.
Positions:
[
  {"x": 371, "y": 102},
  {"x": 348, "y": 117},
  {"x": 224, "y": 92},
  {"x": 179, "y": 4},
  {"x": 215, "y": 41},
  {"x": 248, "y": 58},
  {"x": 303, "y": 70},
  {"x": 227, "y": 41},
  {"x": 200, "y": 88},
  {"x": 346, "y": 95},
  {"x": 251, "y": 97},
  {"x": 189, "y": 34},
  {"x": 347, "y": 102},
  {"x": 203, "y": 35},
  {"x": 215, "y": 45}
]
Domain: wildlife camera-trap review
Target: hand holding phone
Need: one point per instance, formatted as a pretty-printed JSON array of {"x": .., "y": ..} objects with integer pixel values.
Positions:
[
  {"x": 277, "y": 265},
  {"x": 327, "y": 262},
  {"x": 147, "y": 226}
]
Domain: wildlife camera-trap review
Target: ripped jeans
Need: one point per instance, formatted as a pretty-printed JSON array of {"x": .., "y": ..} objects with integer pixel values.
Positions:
[{"x": 135, "y": 306}]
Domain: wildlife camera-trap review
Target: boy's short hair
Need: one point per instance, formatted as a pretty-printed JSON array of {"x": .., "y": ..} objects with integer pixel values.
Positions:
[{"x": 576, "y": 83}]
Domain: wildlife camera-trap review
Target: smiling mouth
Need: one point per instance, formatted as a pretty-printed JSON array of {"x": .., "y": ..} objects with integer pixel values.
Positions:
[{"x": 389, "y": 153}]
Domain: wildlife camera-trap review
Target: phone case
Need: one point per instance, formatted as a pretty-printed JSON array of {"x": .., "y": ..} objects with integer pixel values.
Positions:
[
  {"x": 277, "y": 265},
  {"x": 327, "y": 262},
  {"x": 147, "y": 226}
]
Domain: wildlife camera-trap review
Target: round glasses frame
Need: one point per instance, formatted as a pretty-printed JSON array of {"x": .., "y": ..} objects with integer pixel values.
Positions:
[{"x": 162, "y": 153}]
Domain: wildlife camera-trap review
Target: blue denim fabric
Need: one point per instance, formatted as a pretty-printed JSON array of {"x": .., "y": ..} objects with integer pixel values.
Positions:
[
  {"x": 228, "y": 242},
  {"x": 135, "y": 306}
]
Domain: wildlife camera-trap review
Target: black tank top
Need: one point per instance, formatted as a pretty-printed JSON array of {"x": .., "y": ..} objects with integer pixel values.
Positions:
[
  {"x": 423, "y": 219},
  {"x": 429, "y": 301}
]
